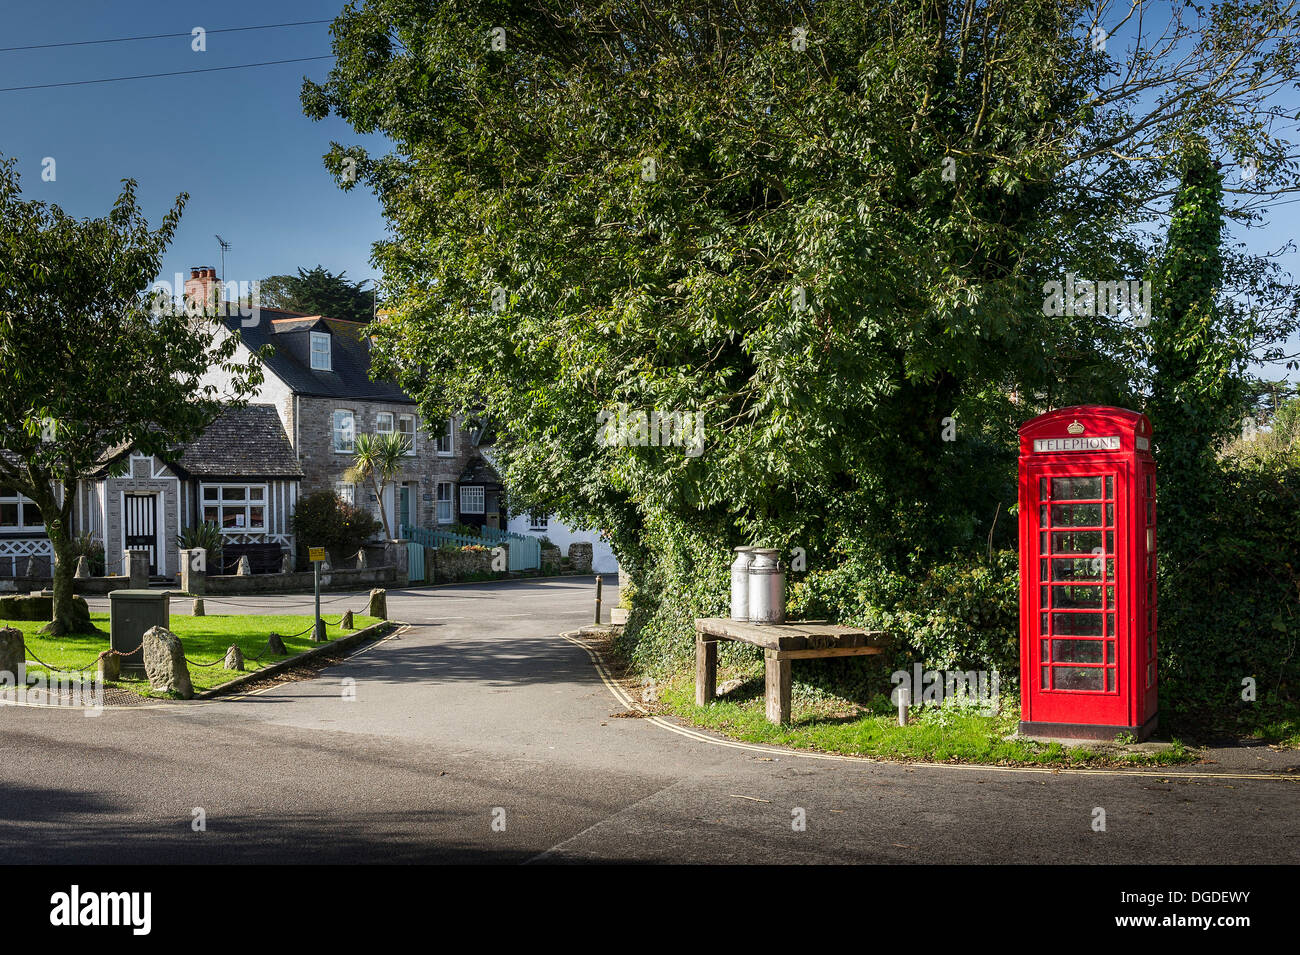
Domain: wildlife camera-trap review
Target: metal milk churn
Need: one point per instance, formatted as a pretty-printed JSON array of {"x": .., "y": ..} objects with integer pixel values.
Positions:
[
  {"x": 766, "y": 587},
  {"x": 740, "y": 583}
]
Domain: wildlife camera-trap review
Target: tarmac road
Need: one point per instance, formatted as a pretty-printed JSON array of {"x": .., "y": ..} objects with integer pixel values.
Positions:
[{"x": 478, "y": 735}]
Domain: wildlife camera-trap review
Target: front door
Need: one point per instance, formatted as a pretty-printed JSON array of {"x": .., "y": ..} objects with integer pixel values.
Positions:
[{"x": 142, "y": 526}]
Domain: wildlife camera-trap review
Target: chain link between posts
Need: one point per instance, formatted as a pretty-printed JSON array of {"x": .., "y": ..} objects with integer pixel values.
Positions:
[{"x": 28, "y": 652}]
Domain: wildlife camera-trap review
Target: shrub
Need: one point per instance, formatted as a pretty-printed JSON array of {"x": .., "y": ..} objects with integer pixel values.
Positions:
[
  {"x": 323, "y": 519},
  {"x": 962, "y": 614},
  {"x": 206, "y": 535},
  {"x": 1232, "y": 611},
  {"x": 85, "y": 545}
]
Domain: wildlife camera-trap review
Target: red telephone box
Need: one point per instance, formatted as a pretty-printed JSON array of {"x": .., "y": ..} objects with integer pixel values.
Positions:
[{"x": 1087, "y": 574}]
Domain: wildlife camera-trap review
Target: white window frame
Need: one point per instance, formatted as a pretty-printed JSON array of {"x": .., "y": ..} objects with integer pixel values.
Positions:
[
  {"x": 346, "y": 491},
  {"x": 24, "y": 503},
  {"x": 446, "y": 443},
  {"x": 539, "y": 520},
  {"x": 339, "y": 431},
  {"x": 477, "y": 502},
  {"x": 449, "y": 500},
  {"x": 379, "y": 422},
  {"x": 407, "y": 432},
  {"x": 218, "y": 500},
  {"x": 318, "y": 338}
]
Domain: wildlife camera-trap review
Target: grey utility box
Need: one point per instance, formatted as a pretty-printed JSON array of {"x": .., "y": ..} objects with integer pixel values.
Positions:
[{"x": 130, "y": 614}]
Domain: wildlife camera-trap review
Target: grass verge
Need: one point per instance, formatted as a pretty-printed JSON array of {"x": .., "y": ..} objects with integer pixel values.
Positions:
[
  {"x": 824, "y": 721},
  {"x": 205, "y": 640}
]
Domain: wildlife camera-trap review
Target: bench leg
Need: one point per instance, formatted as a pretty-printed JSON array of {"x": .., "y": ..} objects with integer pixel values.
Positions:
[
  {"x": 706, "y": 670},
  {"x": 778, "y": 688}
]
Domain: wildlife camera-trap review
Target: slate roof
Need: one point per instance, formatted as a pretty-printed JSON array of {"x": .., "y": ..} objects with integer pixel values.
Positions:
[
  {"x": 247, "y": 442},
  {"x": 478, "y": 471},
  {"x": 289, "y": 335}
]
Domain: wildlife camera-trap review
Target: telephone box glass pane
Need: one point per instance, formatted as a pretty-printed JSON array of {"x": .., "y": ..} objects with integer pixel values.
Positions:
[
  {"x": 1110, "y": 679},
  {"x": 1076, "y": 542},
  {"x": 1076, "y": 488},
  {"x": 1047, "y": 678},
  {"x": 1077, "y": 624},
  {"x": 1076, "y": 568},
  {"x": 1110, "y": 651},
  {"x": 1078, "y": 678},
  {"x": 1076, "y": 651},
  {"x": 1110, "y": 487},
  {"x": 1076, "y": 596},
  {"x": 1076, "y": 515}
]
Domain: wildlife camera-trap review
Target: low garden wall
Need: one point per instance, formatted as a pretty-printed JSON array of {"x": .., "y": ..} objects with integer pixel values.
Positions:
[
  {"x": 89, "y": 586},
  {"x": 460, "y": 563},
  {"x": 229, "y": 585}
]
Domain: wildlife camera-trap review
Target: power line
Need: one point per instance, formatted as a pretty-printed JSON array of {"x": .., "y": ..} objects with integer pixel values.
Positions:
[
  {"x": 154, "y": 36},
  {"x": 151, "y": 76}
]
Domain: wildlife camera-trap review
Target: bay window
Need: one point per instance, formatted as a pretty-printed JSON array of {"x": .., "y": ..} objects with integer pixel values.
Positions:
[{"x": 235, "y": 508}]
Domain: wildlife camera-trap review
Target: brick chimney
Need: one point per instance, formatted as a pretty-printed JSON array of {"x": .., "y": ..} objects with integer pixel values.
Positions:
[{"x": 202, "y": 285}]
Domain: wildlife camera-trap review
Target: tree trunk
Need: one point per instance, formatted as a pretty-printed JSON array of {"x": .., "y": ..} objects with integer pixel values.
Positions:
[
  {"x": 68, "y": 615},
  {"x": 383, "y": 511}
]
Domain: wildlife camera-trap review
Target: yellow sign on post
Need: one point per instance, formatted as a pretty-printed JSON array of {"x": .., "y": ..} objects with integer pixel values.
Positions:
[{"x": 315, "y": 553}]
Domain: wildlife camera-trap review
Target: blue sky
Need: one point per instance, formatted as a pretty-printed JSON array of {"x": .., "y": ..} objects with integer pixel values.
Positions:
[{"x": 236, "y": 141}]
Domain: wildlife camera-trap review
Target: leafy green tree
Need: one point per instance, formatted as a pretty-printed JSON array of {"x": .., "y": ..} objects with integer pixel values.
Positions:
[
  {"x": 89, "y": 362},
  {"x": 825, "y": 228},
  {"x": 318, "y": 291},
  {"x": 1199, "y": 388}
]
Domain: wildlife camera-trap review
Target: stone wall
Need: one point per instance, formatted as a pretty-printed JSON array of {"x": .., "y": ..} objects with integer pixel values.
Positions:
[
  {"x": 230, "y": 585},
  {"x": 94, "y": 586},
  {"x": 458, "y": 564}
]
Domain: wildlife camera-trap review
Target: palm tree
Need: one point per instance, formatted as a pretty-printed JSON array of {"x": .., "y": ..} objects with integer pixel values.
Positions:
[{"x": 377, "y": 459}]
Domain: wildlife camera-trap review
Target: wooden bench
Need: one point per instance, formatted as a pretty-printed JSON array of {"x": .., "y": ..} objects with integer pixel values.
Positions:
[{"x": 782, "y": 644}]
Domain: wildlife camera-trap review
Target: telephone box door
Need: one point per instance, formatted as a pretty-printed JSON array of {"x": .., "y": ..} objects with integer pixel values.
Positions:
[{"x": 1076, "y": 658}]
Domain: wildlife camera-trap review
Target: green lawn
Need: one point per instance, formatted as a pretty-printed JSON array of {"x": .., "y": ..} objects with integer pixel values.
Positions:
[
  {"x": 205, "y": 640},
  {"x": 831, "y": 724}
]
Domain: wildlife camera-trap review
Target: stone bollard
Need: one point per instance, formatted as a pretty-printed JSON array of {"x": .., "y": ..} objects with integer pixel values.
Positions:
[
  {"x": 361, "y": 559},
  {"x": 13, "y": 656},
  {"x": 234, "y": 658},
  {"x": 197, "y": 609},
  {"x": 194, "y": 571},
  {"x": 109, "y": 666},
  {"x": 137, "y": 568},
  {"x": 164, "y": 663},
  {"x": 83, "y": 568},
  {"x": 275, "y": 644},
  {"x": 580, "y": 556},
  {"x": 378, "y": 604},
  {"x": 243, "y": 568},
  {"x": 318, "y": 634},
  {"x": 346, "y": 622}
]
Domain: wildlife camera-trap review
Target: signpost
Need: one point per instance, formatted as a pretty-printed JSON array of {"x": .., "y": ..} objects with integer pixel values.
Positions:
[{"x": 317, "y": 556}]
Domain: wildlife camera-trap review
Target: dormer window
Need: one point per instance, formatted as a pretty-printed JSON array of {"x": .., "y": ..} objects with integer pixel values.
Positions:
[{"x": 320, "y": 352}]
